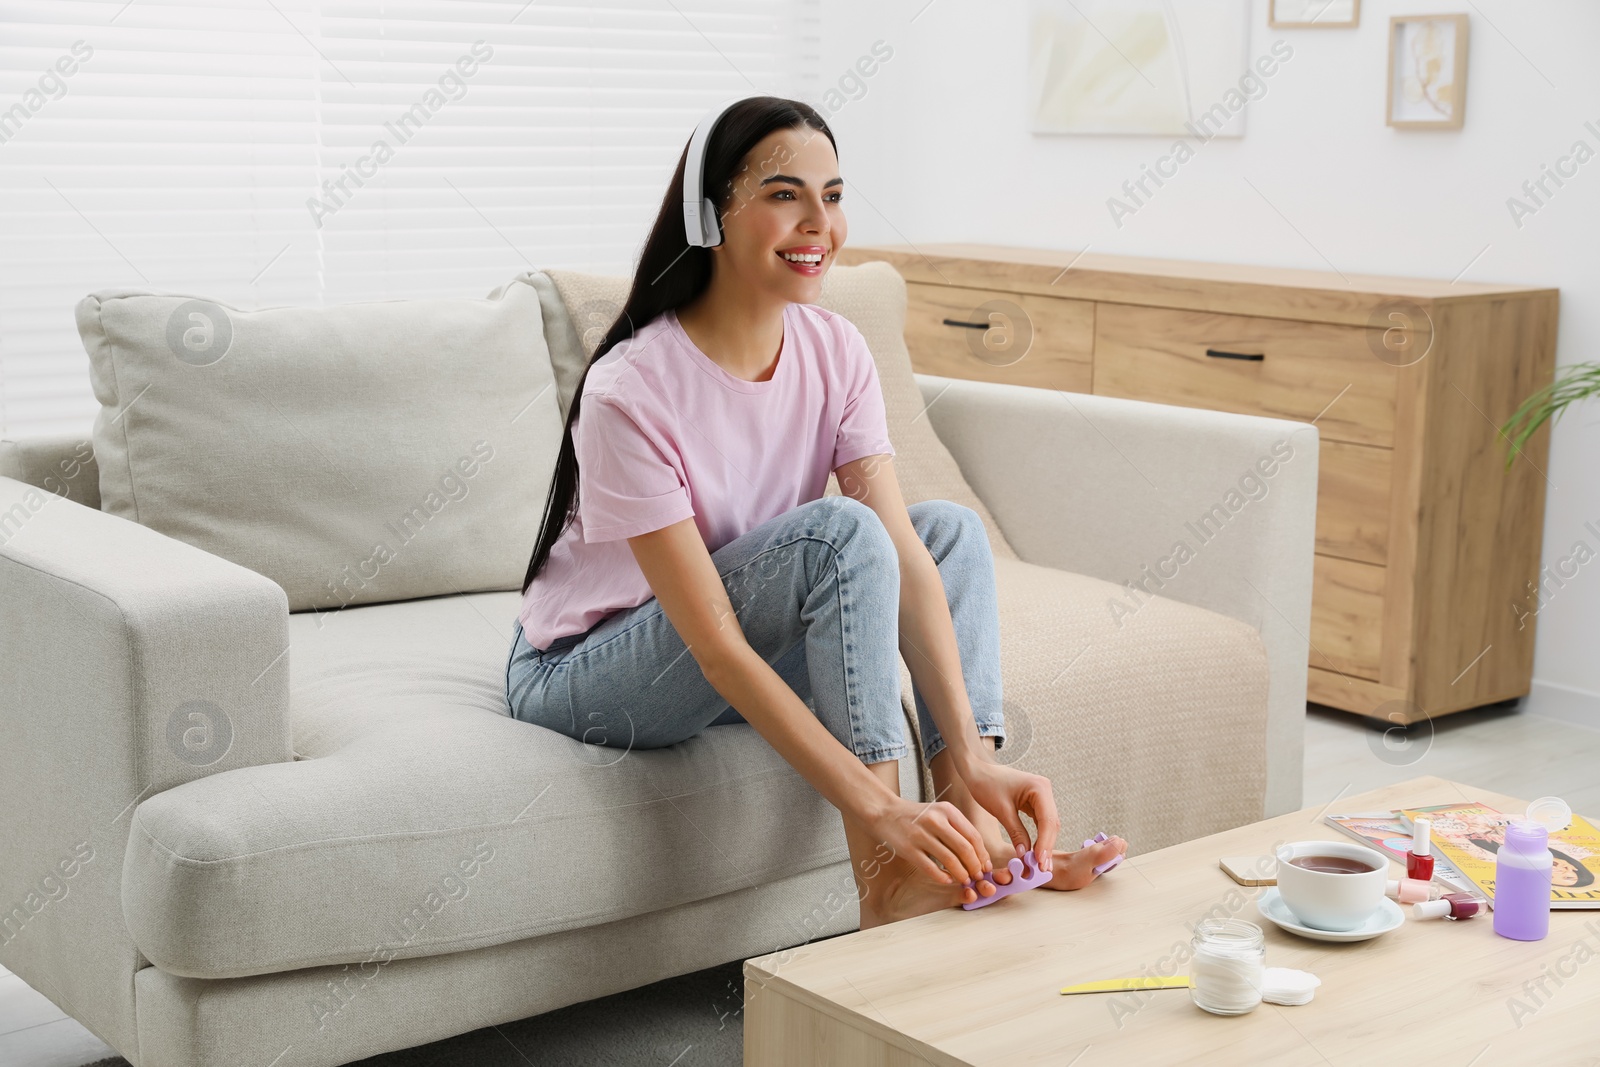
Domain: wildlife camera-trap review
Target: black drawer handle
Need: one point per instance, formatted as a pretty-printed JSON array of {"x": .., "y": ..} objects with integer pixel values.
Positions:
[
  {"x": 1235, "y": 355},
  {"x": 968, "y": 325}
]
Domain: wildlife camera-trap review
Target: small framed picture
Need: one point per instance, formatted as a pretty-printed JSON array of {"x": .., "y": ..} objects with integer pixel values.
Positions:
[
  {"x": 1427, "y": 72},
  {"x": 1314, "y": 14}
]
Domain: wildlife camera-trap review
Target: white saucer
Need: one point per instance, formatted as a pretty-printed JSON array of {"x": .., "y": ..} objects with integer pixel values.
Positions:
[{"x": 1386, "y": 917}]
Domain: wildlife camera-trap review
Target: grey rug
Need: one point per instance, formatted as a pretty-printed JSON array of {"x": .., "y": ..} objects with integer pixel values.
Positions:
[{"x": 694, "y": 1020}]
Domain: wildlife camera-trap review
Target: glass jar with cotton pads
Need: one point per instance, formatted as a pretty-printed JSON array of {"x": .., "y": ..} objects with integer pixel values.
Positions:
[{"x": 1227, "y": 969}]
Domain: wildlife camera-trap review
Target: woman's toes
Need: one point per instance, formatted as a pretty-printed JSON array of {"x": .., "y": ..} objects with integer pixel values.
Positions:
[
  {"x": 1000, "y": 854},
  {"x": 1111, "y": 848},
  {"x": 1106, "y": 851},
  {"x": 1074, "y": 870},
  {"x": 976, "y": 888}
]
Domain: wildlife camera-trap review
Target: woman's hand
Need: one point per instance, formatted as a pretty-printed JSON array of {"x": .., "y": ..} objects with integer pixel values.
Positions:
[
  {"x": 1004, "y": 791},
  {"x": 928, "y": 835}
]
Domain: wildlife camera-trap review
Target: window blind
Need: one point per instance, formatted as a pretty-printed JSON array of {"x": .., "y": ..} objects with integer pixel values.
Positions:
[{"x": 266, "y": 152}]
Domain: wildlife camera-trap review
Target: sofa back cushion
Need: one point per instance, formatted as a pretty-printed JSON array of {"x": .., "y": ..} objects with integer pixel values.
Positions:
[
  {"x": 353, "y": 454},
  {"x": 871, "y": 295}
]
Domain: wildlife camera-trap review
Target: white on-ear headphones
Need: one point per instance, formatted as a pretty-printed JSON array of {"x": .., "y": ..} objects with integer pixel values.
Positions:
[{"x": 699, "y": 213}]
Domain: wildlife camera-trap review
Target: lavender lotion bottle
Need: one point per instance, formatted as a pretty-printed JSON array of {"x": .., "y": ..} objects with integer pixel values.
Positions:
[{"x": 1522, "y": 871}]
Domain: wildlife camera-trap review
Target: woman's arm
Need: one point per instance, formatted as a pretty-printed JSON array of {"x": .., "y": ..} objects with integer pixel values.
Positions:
[{"x": 684, "y": 579}]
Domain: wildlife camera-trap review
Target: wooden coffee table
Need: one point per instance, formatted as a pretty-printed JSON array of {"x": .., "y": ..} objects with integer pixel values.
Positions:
[{"x": 983, "y": 987}]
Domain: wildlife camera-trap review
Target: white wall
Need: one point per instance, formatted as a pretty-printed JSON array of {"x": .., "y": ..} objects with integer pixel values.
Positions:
[{"x": 937, "y": 148}]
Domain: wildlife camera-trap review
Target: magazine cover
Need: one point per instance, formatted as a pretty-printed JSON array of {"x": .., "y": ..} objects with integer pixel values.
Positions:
[
  {"x": 1469, "y": 835},
  {"x": 1387, "y": 832}
]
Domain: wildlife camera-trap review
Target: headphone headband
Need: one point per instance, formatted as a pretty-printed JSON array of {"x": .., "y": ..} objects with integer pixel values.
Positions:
[{"x": 699, "y": 213}]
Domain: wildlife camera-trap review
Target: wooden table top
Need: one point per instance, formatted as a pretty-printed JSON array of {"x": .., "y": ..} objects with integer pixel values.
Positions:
[{"x": 982, "y": 987}]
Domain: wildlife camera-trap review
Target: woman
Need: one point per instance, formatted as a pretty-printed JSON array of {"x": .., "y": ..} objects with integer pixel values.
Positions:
[{"x": 704, "y": 429}]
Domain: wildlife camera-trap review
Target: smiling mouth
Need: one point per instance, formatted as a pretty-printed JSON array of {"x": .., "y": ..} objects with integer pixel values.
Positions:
[{"x": 805, "y": 263}]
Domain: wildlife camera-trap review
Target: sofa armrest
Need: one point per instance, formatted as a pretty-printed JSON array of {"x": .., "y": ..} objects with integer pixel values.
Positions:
[
  {"x": 1112, "y": 488},
  {"x": 130, "y": 662}
]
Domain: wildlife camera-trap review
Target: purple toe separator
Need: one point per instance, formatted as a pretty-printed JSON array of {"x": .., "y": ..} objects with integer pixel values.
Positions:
[
  {"x": 1110, "y": 863},
  {"x": 1019, "y": 882}
]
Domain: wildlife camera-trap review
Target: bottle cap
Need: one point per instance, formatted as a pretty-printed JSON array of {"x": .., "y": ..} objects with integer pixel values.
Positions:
[
  {"x": 1430, "y": 909},
  {"x": 1550, "y": 812},
  {"x": 1421, "y": 835}
]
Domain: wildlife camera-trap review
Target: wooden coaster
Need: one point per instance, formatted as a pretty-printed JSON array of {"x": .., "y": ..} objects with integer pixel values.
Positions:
[{"x": 1251, "y": 870}]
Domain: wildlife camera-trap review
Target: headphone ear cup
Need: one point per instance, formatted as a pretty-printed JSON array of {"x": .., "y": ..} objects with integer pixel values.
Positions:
[
  {"x": 708, "y": 212},
  {"x": 703, "y": 231}
]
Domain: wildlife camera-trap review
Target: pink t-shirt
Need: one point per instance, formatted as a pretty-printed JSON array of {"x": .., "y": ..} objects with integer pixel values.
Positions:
[{"x": 665, "y": 433}]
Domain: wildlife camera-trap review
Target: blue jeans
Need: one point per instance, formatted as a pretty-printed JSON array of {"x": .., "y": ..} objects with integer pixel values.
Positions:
[{"x": 816, "y": 592}]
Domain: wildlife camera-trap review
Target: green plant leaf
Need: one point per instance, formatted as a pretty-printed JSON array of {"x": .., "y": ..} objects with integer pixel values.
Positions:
[{"x": 1579, "y": 381}]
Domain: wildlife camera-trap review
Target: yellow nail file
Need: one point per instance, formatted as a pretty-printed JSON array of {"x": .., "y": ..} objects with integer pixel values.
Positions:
[{"x": 1117, "y": 985}]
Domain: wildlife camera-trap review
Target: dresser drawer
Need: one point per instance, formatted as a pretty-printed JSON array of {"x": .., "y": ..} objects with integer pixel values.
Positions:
[
  {"x": 1347, "y": 616},
  {"x": 1298, "y": 369},
  {"x": 1353, "y": 500},
  {"x": 977, "y": 333}
]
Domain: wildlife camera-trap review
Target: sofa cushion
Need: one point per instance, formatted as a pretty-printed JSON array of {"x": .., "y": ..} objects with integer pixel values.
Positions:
[
  {"x": 871, "y": 295},
  {"x": 353, "y": 454},
  {"x": 419, "y": 818},
  {"x": 1170, "y": 694}
]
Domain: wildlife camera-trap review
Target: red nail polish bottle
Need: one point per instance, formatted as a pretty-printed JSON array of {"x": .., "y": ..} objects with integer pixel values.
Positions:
[{"x": 1419, "y": 861}]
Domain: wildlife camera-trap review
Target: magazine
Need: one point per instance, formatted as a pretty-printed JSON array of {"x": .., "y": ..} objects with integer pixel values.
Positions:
[
  {"x": 1469, "y": 835},
  {"x": 1390, "y": 834}
]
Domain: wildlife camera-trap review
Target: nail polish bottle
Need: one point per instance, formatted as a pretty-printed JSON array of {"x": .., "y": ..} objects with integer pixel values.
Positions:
[
  {"x": 1411, "y": 890},
  {"x": 1450, "y": 906},
  {"x": 1419, "y": 861}
]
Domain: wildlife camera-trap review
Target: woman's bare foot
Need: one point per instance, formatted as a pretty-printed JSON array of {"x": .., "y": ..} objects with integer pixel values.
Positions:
[
  {"x": 902, "y": 891},
  {"x": 1074, "y": 870}
]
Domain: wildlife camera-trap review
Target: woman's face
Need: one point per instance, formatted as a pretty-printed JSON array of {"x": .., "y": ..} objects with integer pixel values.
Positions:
[{"x": 786, "y": 198}]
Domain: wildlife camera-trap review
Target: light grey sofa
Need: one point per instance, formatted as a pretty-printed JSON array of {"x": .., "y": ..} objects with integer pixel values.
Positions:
[{"x": 241, "y": 823}]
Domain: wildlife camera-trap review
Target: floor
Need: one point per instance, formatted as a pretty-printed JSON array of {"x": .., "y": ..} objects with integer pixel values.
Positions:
[{"x": 693, "y": 1020}]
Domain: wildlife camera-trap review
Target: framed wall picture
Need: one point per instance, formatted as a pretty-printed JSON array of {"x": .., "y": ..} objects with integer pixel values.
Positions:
[
  {"x": 1314, "y": 14},
  {"x": 1427, "y": 72},
  {"x": 1167, "y": 68}
]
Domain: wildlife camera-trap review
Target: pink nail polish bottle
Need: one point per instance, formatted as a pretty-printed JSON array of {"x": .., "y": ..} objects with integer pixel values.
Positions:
[{"x": 1410, "y": 890}]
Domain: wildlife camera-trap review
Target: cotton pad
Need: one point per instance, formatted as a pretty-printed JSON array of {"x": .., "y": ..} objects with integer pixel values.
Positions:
[{"x": 1285, "y": 985}]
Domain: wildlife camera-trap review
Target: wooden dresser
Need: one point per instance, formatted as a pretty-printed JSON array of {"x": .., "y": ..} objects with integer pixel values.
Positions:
[{"x": 1427, "y": 546}]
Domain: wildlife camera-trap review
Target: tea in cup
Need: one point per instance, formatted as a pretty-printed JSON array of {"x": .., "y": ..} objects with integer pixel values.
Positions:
[{"x": 1331, "y": 885}]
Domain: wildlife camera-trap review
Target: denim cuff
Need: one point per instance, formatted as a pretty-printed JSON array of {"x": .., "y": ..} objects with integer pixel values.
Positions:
[{"x": 985, "y": 729}]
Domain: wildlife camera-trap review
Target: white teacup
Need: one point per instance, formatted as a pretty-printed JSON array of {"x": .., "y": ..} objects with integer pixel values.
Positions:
[{"x": 1327, "y": 900}]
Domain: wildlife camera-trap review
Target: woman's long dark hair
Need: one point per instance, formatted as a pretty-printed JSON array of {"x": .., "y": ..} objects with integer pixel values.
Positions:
[{"x": 671, "y": 273}]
